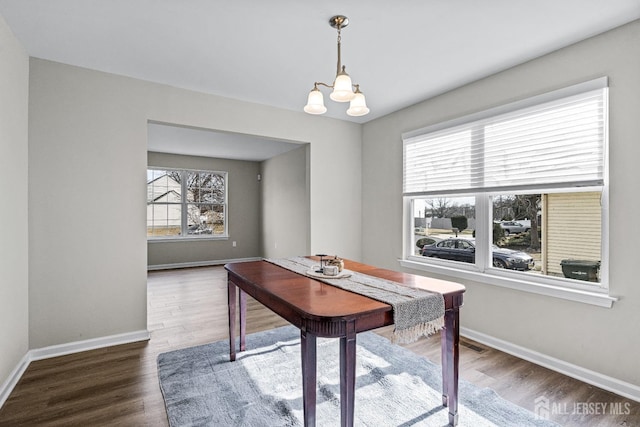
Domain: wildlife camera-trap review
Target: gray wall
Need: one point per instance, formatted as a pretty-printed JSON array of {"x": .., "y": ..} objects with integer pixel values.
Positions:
[
  {"x": 599, "y": 339},
  {"x": 14, "y": 237},
  {"x": 243, "y": 215},
  {"x": 285, "y": 204},
  {"x": 87, "y": 171}
]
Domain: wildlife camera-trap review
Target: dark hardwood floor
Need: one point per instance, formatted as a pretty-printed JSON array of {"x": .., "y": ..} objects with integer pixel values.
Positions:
[{"x": 118, "y": 386}]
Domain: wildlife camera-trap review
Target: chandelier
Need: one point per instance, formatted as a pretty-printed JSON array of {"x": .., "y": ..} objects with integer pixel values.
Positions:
[{"x": 343, "y": 88}]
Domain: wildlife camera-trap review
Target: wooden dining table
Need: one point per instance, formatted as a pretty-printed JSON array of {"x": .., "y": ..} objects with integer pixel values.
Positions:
[{"x": 321, "y": 310}]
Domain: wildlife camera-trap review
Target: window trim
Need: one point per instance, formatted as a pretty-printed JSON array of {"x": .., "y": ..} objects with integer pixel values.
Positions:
[
  {"x": 184, "y": 203},
  {"x": 482, "y": 271},
  {"x": 600, "y": 299}
]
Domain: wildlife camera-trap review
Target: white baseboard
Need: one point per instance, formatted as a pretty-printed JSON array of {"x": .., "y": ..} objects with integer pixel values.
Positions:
[
  {"x": 15, "y": 375},
  {"x": 90, "y": 344},
  {"x": 597, "y": 379},
  {"x": 64, "y": 349},
  {"x": 199, "y": 263}
]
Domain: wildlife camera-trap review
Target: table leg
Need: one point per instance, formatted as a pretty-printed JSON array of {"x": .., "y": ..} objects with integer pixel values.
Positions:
[
  {"x": 347, "y": 374},
  {"x": 243, "y": 320},
  {"x": 231, "y": 299},
  {"x": 444, "y": 346},
  {"x": 309, "y": 384},
  {"x": 450, "y": 338}
]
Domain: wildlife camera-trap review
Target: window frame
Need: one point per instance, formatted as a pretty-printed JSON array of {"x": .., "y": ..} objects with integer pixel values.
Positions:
[
  {"x": 482, "y": 270},
  {"x": 184, "y": 204}
]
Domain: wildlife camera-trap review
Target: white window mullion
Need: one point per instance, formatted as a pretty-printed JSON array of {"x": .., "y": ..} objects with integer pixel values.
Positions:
[
  {"x": 484, "y": 230},
  {"x": 409, "y": 227},
  {"x": 183, "y": 202}
]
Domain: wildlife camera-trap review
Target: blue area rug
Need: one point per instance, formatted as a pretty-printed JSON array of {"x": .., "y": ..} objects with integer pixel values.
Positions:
[{"x": 394, "y": 386}]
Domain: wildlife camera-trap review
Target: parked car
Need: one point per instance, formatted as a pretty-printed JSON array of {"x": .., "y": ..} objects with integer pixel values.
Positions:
[
  {"x": 428, "y": 240},
  {"x": 464, "y": 250},
  {"x": 514, "y": 227}
]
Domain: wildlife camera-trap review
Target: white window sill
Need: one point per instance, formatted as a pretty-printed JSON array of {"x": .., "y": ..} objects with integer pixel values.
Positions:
[
  {"x": 594, "y": 297},
  {"x": 185, "y": 239}
]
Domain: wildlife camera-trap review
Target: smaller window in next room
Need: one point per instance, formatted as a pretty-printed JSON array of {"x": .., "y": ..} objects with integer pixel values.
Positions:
[{"x": 186, "y": 204}]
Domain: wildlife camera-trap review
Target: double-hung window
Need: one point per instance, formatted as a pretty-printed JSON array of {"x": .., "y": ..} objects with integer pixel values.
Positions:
[
  {"x": 517, "y": 192},
  {"x": 186, "y": 204}
]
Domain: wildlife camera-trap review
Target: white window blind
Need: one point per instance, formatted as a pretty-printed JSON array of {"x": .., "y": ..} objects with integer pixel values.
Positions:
[{"x": 556, "y": 143}]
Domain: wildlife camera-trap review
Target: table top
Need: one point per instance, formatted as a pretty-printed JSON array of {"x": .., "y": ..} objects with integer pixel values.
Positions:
[{"x": 298, "y": 298}]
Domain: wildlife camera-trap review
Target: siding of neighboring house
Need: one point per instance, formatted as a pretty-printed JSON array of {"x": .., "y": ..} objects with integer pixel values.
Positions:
[
  {"x": 165, "y": 216},
  {"x": 163, "y": 189},
  {"x": 161, "y": 186},
  {"x": 573, "y": 228}
]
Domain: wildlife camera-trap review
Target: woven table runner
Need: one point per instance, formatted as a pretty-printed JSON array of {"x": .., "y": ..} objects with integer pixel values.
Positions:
[{"x": 416, "y": 312}]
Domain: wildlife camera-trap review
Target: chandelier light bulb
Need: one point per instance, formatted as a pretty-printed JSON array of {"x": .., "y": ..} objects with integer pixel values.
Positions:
[
  {"x": 315, "y": 102},
  {"x": 358, "y": 105},
  {"x": 342, "y": 88}
]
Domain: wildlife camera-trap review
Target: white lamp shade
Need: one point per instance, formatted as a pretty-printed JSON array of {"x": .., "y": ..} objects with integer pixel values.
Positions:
[
  {"x": 315, "y": 103},
  {"x": 358, "y": 106},
  {"x": 342, "y": 88}
]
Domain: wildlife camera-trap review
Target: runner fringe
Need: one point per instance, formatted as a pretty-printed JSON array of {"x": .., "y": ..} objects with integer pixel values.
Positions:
[{"x": 412, "y": 334}]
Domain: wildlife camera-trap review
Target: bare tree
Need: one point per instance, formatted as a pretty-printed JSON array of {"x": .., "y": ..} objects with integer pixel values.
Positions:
[
  {"x": 440, "y": 207},
  {"x": 527, "y": 206},
  {"x": 503, "y": 207},
  {"x": 202, "y": 187}
]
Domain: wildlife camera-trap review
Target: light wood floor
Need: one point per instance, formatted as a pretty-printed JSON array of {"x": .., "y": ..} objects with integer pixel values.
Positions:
[{"x": 119, "y": 385}]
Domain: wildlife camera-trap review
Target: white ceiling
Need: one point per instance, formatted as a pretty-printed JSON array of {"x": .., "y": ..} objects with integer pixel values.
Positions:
[
  {"x": 271, "y": 52},
  {"x": 203, "y": 142}
]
